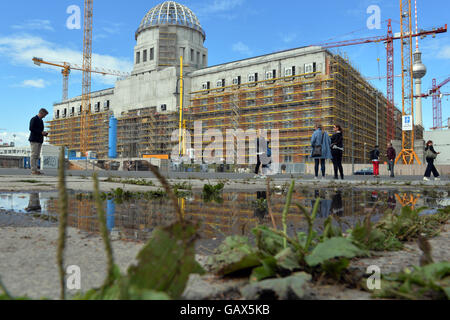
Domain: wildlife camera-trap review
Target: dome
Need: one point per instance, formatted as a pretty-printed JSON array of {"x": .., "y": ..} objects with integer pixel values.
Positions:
[{"x": 170, "y": 13}]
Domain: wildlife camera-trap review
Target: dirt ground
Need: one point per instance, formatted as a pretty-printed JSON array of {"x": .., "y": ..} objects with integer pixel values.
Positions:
[{"x": 28, "y": 264}]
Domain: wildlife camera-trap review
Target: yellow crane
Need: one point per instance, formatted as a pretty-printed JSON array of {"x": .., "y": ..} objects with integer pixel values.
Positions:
[{"x": 67, "y": 67}]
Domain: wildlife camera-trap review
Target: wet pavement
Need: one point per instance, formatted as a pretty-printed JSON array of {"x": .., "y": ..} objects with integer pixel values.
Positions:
[{"x": 236, "y": 213}]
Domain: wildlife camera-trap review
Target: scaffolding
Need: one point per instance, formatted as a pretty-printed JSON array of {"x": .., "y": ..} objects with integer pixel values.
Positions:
[
  {"x": 145, "y": 132},
  {"x": 294, "y": 104},
  {"x": 66, "y": 132}
]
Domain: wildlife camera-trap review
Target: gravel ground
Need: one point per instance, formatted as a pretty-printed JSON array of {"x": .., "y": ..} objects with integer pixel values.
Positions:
[{"x": 28, "y": 265}]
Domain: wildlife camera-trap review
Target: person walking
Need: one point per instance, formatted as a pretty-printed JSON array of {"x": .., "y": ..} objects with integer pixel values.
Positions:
[
  {"x": 261, "y": 150},
  {"x": 375, "y": 156},
  {"x": 337, "y": 150},
  {"x": 36, "y": 139},
  {"x": 431, "y": 155},
  {"x": 391, "y": 155},
  {"x": 321, "y": 150}
]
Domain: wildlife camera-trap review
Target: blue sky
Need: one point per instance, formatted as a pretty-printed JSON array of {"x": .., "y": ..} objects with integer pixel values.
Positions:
[{"x": 235, "y": 29}]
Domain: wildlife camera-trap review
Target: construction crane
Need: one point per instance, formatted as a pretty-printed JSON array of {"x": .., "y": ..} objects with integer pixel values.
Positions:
[
  {"x": 389, "y": 41},
  {"x": 87, "y": 67},
  {"x": 67, "y": 67},
  {"x": 407, "y": 154},
  {"x": 435, "y": 92}
]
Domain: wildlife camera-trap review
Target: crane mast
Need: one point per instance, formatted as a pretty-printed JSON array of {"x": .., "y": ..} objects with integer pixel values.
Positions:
[
  {"x": 407, "y": 154},
  {"x": 87, "y": 65}
]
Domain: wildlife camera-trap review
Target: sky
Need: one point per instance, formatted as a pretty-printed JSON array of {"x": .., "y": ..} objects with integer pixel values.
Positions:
[{"x": 235, "y": 29}]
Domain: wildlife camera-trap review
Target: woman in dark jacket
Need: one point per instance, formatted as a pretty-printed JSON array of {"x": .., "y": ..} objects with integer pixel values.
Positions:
[
  {"x": 337, "y": 150},
  {"x": 430, "y": 156}
]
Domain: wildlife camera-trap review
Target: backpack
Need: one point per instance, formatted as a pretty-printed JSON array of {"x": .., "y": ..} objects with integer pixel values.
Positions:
[{"x": 374, "y": 154}]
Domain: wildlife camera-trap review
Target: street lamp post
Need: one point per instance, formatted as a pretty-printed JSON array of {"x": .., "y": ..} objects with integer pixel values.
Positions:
[
  {"x": 377, "y": 119},
  {"x": 353, "y": 149}
]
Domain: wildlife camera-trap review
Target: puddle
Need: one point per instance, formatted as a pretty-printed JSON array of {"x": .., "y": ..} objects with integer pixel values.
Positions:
[{"x": 237, "y": 214}]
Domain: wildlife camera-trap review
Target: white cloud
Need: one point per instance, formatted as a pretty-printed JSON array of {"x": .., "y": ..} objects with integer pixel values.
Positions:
[
  {"x": 444, "y": 52},
  {"x": 34, "y": 24},
  {"x": 242, "y": 48},
  {"x": 288, "y": 38},
  {"x": 21, "y": 49},
  {"x": 20, "y": 139},
  {"x": 219, "y": 7},
  {"x": 38, "y": 83}
]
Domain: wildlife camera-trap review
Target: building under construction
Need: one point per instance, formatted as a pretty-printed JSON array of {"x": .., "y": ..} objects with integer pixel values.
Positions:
[{"x": 290, "y": 91}]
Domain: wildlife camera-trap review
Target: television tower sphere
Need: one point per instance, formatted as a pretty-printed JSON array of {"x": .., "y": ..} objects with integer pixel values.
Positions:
[{"x": 419, "y": 69}]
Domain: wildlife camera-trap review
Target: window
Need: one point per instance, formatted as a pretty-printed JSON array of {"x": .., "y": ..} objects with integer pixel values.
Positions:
[
  {"x": 64, "y": 113},
  {"x": 163, "y": 107},
  {"x": 287, "y": 158},
  {"x": 289, "y": 98},
  {"x": 138, "y": 57},
  {"x": 204, "y": 60},
  {"x": 72, "y": 112},
  {"x": 97, "y": 107},
  {"x": 268, "y": 100},
  {"x": 79, "y": 109},
  {"x": 106, "y": 105},
  {"x": 152, "y": 54},
  {"x": 308, "y": 88},
  {"x": 182, "y": 52},
  {"x": 206, "y": 86},
  {"x": 192, "y": 55},
  {"x": 220, "y": 83},
  {"x": 253, "y": 77},
  {"x": 289, "y": 71},
  {"x": 144, "y": 58},
  {"x": 198, "y": 57},
  {"x": 310, "y": 67},
  {"x": 237, "y": 80},
  {"x": 57, "y": 114},
  {"x": 271, "y": 74}
]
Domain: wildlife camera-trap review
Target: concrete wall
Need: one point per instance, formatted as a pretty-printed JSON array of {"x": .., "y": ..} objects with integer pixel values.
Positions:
[
  {"x": 276, "y": 61},
  {"x": 187, "y": 39},
  {"x": 400, "y": 169},
  {"x": 152, "y": 89},
  {"x": 101, "y": 97},
  {"x": 441, "y": 142}
]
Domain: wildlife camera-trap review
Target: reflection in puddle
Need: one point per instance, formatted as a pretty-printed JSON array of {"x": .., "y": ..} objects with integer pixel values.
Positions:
[{"x": 237, "y": 214}]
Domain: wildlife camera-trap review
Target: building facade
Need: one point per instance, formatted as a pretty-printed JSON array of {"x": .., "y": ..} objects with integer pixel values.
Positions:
[{"x": 290, "y": 91}]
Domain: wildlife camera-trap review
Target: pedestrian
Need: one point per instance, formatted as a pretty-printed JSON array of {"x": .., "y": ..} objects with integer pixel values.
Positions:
[
  {"x": 375, "y": 156},
  {"x": 431, "y": 155},
  {"x": 36, "y": 139},
  {"x": 391, "y": 155},
  {"x": 337, "y": 150},
  {"x": 261, "y": 150},
  {"x": 266, "y": 167},
  {"x": 321, "y": 150}
]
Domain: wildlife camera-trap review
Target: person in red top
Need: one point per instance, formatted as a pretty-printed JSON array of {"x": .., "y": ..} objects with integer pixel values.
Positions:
[{"x": 391, "y": 155}]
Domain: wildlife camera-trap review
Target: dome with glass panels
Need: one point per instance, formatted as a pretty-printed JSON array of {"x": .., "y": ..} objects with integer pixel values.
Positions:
[{"x": 170, "y": 13}]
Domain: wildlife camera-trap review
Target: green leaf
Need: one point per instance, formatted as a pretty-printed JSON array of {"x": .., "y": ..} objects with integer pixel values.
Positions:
[
  {"x": 287, "y": 260},
  {"x": 292, "y": 287},
  {"x": 267, "y": 270},
  {"x": 167, "y": 260},
  {"x": 268, "y": 241},
  {"x": 335, "y": 267},
  {"x": 333, "y": 248},
  {"x": 234, "y": 254}
]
